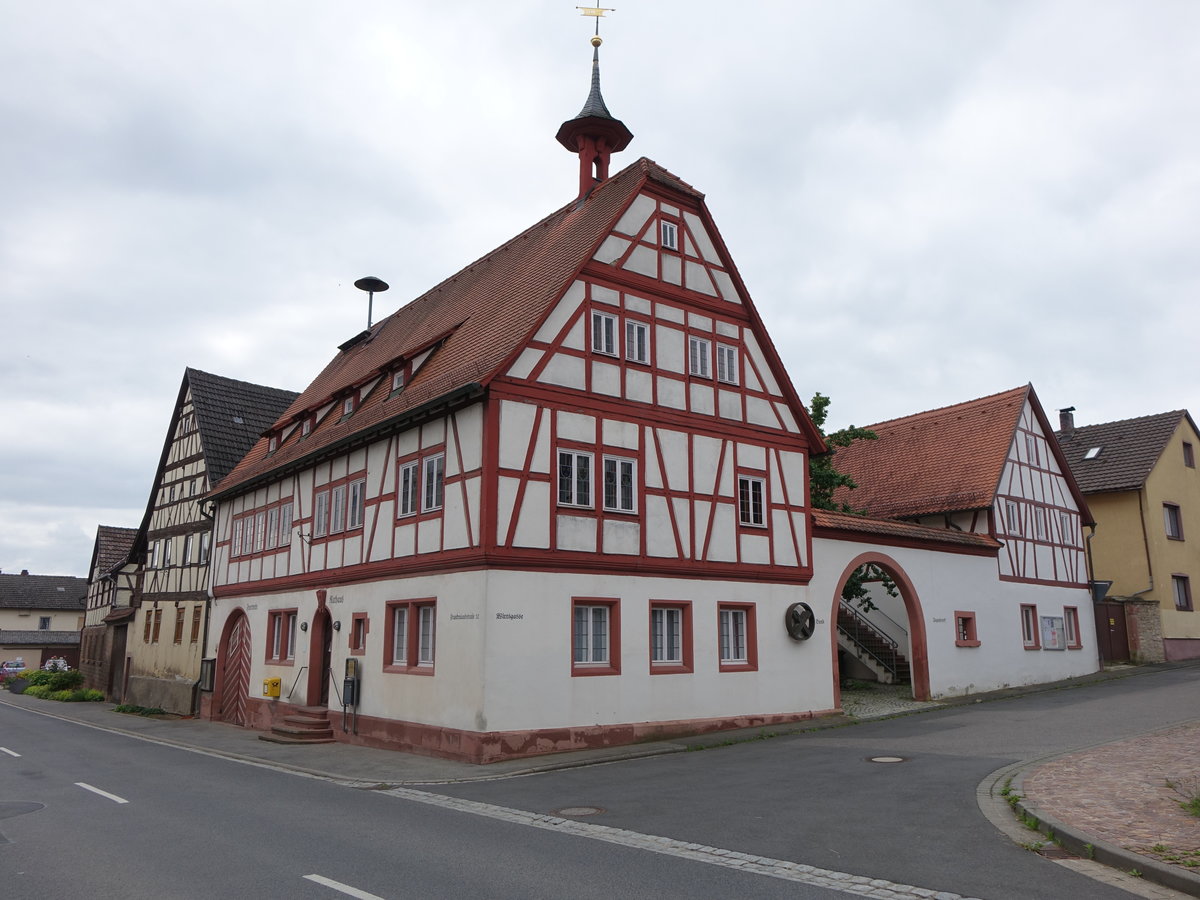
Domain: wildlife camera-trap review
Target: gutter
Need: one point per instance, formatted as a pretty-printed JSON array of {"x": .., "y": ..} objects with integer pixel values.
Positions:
[{"x": 425, "y": 410}]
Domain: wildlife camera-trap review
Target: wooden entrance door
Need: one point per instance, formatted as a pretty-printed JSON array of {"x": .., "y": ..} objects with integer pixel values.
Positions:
[
  {"x": 237, "y": 673},
  {"x": 1111, "y": 634}
]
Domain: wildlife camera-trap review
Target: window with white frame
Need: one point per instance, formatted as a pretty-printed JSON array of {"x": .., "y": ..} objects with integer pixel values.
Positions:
[
  {"x": 166, "y": 557},
  {"x": 670, "y": 235},
  {"x": 1012, "y": 516},
  {"x": 272, "y": 527},
  {"x": 590, "y": 634},
  {"x": 1031, "y": 449},
  {"x": 604, "y": 333},
  {"x": 406, "y": 501},
  {"x": 727, "y": 364},
  {"x": 637, "y": 341},
  {"x": 285, "y": 525},
  {"x": 1039, "y": 522},
  {"x": 398, "y": 381},
  {"x": 260, "y": 531},
  {"x": 734, "y": 636},
  {"x": 204, "y": 547},
  {"x": 699, "y": 353},
  {"x": 433, "y": 474},
  {"x": 620, "y": 484},
  {"x": 1068, "y": 533},
  {"x": 281, "y": 635},
  {"x": 574, "y": 478},
  {"x": 347, "y": 406},
  {"x": 307, "y": 427},
  {"x": 751, "y": 492},
  {"x": 670, "y": 637},
  {"x": 358, "y": 497},
  {"x": 321, "y": 514},
  {"x": 1029, "y": 627},
  {"x": 410, "y": 642},
  {"x": 248, "y": 536},
  {"x": 186, "y": 559},
  {"x": 1071, "y": 627},
  {"x": 337, "y": 509}
]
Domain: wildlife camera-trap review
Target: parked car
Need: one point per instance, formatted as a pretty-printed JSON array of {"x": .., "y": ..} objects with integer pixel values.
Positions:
[{"x": 12, "y": 667}]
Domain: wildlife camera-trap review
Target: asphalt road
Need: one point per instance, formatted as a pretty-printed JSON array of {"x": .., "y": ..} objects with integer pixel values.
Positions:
[
  {"x": 202, "y": 826},
  {"x": 199, "y": 826}
]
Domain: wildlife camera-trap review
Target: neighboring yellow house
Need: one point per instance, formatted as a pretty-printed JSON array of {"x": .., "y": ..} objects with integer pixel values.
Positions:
[{"x": 1143, "y": 488}]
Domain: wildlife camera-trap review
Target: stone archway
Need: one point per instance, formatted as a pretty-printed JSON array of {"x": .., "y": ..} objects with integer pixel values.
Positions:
[{"x": 919, "y": 651}]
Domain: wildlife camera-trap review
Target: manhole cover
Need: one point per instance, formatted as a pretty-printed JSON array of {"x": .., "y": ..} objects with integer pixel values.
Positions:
[
  {"x": 576, "y": 811},
  {"x": 886, "y": 759}
]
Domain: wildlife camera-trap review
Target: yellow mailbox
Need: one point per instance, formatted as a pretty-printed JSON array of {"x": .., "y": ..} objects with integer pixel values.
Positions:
[{"x": 271, "y": 687}]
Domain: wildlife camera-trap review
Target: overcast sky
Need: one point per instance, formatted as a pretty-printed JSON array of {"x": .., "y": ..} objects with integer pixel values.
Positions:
[{"x": 928, "y": 201}]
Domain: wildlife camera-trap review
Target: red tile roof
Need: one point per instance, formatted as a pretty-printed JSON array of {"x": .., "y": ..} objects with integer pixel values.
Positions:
[
  {"x": 484, "y": 314},
  {"x": 827, "y": 523},
  {"x": 937, "y": 461}
]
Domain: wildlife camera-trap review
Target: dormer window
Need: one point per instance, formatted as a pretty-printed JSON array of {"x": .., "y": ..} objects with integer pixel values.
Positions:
[
  {"x": 306, "y": 428},
  {"x": 1092, "y": 453},
  {"x": 347, "y": 406},
  {"x": 398, "y": 381},
  {"x": 670, "y": 236},
  {"x": 273, "y": 443}
]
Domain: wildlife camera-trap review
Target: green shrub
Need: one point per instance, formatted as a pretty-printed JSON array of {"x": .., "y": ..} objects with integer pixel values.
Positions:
[
  {"x": 91, "y": 695},
  {"x": 56, "y": 681},
  {"x": 60, "y": 696},
  {"x": 37, "y": 690},
  {"x": 139, "y": 710}
]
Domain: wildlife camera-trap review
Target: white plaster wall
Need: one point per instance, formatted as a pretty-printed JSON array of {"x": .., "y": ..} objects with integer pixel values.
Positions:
[
  {"x": 528, "y": 659},
  {"x": 946, "y": 582}
]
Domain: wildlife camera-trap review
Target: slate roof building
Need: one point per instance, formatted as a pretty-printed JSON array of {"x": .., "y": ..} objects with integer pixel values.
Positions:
[
  {"x": 146, "y": 645},
  {"x": 40, "y": 617},
  {"x": 1141, "y": 482}
]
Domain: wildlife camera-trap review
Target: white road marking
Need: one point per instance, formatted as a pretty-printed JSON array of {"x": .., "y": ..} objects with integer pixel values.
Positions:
[
  {"x": 9, "y": 752},
  {"x": 862, "y": 885},
  {"x": 344, "y": 888},
  {"x": 95, "y": 790}
]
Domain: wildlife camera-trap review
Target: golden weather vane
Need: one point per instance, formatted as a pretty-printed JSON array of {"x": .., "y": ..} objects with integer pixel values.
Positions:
[{"x": 596, "y": 12}]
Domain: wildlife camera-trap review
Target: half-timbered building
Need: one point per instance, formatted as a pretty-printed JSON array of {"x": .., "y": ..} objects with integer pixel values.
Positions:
[
  {"x": 557, "y": 501},
  {"x": 214, "y": 422},
  {"x": 112, "y": 579},
  {"x": 989, "y": 467}
]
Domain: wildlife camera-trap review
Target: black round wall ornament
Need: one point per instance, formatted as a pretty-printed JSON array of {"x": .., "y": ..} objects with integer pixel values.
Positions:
[{"x": 800, "y": 621}]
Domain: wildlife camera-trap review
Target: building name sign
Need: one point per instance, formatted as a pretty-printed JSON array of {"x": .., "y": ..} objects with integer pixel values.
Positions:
[
  {"x": 510, "y": 616},
  {"x": 936, "y": 619},
  {"x": 455, "y": 617},
  {"x": 336, "y": 598}
]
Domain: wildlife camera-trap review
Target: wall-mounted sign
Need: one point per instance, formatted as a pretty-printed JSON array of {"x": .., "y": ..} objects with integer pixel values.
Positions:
[{"x": 1052, "y": 633}]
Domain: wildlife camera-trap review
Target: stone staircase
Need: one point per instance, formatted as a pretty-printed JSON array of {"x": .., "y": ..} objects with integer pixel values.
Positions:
[
  {"x": 307, "y": 725},
  {"x": 872, "y": 647}
]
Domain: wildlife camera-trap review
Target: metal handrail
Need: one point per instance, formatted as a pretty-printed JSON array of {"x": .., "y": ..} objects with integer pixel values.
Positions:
[
  {"x": 296, "y": 682},
  {"x": 879, "y": 613},
  {"x": 862, "y": 626}
]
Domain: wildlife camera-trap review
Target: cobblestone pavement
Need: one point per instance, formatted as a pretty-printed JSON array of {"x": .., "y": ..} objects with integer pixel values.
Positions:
[
  {"x": 865, "y": 700},
  {"x": 1120, "y": 793}
]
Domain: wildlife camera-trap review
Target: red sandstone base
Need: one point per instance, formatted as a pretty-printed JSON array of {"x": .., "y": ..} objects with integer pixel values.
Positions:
[{"x": 484, "y": 747}]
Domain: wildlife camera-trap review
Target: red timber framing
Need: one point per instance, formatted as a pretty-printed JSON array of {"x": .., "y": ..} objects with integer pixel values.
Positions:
[{"x": 1039, "y": 514}]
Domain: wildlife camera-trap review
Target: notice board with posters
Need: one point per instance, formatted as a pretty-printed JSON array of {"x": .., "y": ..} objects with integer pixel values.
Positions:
[{"x": 1052, "y": 633}]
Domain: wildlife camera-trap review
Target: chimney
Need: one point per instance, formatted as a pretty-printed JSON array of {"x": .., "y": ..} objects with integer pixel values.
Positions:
[
  {"x": 1066, "y": 419},
  {"x": 24, "y": 571}
]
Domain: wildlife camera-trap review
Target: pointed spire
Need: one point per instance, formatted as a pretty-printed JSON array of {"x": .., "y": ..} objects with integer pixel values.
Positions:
[{"x": 594, "y": 134}]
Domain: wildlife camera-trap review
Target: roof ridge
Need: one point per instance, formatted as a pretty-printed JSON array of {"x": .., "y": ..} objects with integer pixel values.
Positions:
[
  {"x": 943, "y": 409},
  {"x": 1179, "y": 413}
]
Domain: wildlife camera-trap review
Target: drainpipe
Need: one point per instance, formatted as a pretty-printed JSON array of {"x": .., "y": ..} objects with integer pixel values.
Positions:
[{"x": 1145, "y": 544}]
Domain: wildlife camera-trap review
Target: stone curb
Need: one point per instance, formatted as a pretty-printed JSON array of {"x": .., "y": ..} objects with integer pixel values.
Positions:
[{"x": 1089, "y": 847}]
